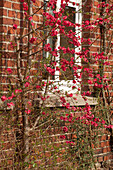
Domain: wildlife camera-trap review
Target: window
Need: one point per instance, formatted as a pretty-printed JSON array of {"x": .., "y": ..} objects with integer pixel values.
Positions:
[{"x": 61, "y": 42}]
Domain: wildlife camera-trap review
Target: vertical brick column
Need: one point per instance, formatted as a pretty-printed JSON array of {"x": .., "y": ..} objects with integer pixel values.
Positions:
[
  {"x": 90, "y": 13},
  {"x": 11, "y": 12}
]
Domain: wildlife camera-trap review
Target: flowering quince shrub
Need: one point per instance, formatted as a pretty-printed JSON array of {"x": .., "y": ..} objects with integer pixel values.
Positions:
[{"x": 46, "y": 137}]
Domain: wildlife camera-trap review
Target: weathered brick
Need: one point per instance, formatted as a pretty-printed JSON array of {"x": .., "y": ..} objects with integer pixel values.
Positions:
[
  {"x": 7, "y": 4},
  {"x": 100, "y": 159},
  {"x": 16, "y": 6},
  {"x": 10, "y": 63},
  {"x": 11, "y": 14}
]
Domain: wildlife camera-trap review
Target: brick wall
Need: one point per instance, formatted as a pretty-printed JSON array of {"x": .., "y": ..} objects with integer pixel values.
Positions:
[
  {"x": 11, "y": 12},
  {"x": 47, "y": 148},
  {"x": 91, "y": 13}
]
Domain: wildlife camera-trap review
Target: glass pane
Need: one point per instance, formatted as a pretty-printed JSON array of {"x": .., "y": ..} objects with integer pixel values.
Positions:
[
  {"x": 47, "y": 56},
  {"x": 65, "y": 42}
]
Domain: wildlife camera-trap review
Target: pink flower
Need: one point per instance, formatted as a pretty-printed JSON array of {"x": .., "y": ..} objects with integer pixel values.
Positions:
[
  {"x": 27, "y": 77},
  {"x": 47, "y": 47},
  {"x": 18, "y": 91},
  {"x": 9, "y": 98},
  {"x": 38, "y": 87},
  {"x": 9, "y": 70},
  {"x": 29, "y": 103},
  {"x": 74, "y": 81},
  {"x": 70, "y": 95},
  {"x": 25, "y": 13},
  {"x": 95, "y": 84},
  {"x": 109, "y": 126},
  {"x": 3, "y": 98},
  {"x": 62, "y": 136},
  {"x": 43, "y": 98},
  {"x": 14, "y": 26},
  {"x": 96, "y": 119},
  {"x": 50, "y": 70},
  {"x": 57, "y": 68},
  {"x": 55, "y": 87},
  {"x": 94, "y": 124},
  {"x": 13, "y": 95},
  {"x": 32, "y": 40},
  {"x": 25, "y": 5},
  {"x": 28, "y": 111},
  {"x": 26, "y": 84},
  {"x": 88, "y": 93},
  {"x": 70, "y": 142},
  {"x": 43, "y": 113},
  {"x": 32, "y": 23},
  {"x": 10, "y": 104},
  {"x": 65, "y": 129},
  {"x": 89, "y": 82},
  {"x": 44, "y": 83},
  {"x": 103, "y": 121},
  {"x": 11, "y": 44},
  {"x": 30, "y": 18},
  {"x": 87, "y": 22}
]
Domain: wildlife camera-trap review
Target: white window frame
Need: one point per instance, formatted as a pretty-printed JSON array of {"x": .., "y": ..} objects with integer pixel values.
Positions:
[{"x": 62, "y": 84}]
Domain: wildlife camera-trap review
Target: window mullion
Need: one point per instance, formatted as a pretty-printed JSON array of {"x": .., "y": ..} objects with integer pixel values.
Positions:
[{"x": 58, "y": 5}]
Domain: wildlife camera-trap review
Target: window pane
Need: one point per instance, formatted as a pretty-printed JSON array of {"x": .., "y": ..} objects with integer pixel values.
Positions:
[{"x": 65, "y": 42}]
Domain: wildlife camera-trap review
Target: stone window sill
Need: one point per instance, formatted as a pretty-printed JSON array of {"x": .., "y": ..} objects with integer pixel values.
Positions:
[{"x": 54, "y": 101}]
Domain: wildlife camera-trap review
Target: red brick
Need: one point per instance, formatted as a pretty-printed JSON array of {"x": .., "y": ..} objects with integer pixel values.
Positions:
[
  {"x": 7, "y": 4},
  {"x": 1, "y": 2},
  {"x": 104, "y": 150},
  {"x": 106, "y": 158},
  {"x": 93, "y": 9},
  {"x": 36, "y": 18},
  {"x": 12, "y": 14},
  {"x": 103, "y": 138},
  {"x": 7, "y": 21},
  {"x": 5, "y": 12},
  {"x": 1, "y": 12},
  {"x": 19, "y": 15},
  {"x": 1, "y": 21},
  {"x": 11, "y": 63},
  {"x": 16, "y": 6},
  {"x": 96, "y": 3},
  {"x": 100, "y": 159},
  {"x": 3, "y": 29}
]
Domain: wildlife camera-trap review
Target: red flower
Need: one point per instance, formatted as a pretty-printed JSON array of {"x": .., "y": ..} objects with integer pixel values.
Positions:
[
  {"x": 65, "y": 129},
  {"x": 9, "y": 70},
  {"x": 32, "y": 40},
  {"x": 62, "y": 136},
  {"x": 14, "y": 26},
  {"x": 3, "y": 98},
  {"x": 10, "y": 104},
  {"x": 38, "y": 87},
  {"x": 33, "y": 1},
  {"x": 28, "y": 111},
  {"x": 26, "y": 84}
]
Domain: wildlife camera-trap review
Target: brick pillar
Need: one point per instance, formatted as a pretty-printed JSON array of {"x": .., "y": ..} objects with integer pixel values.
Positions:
[{"x": 11, "y": 12}]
